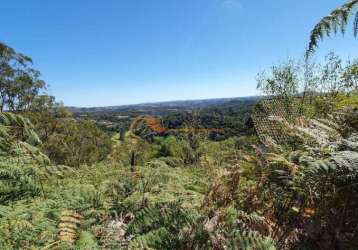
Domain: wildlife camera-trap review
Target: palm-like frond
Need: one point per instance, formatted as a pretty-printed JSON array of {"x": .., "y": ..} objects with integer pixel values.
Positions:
[
  {"x": 337, "y": 20},
  {"x": 355, "y": 25}
]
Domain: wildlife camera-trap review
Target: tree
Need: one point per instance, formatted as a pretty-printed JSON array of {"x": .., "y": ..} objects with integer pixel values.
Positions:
[
  {"x": 46, "y": 115},
  {"x": 19, "y": 82},
  {"x": 331, "y": 78},
  {"x": 350, "y": 75},
  {"x": 311, "y": 88},
  {"x": 283, "y": 81},
  {"x": 338, "y": 19}
]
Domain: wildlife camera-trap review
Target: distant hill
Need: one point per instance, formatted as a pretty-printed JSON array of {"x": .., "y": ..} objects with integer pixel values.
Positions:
[{"x": 169, "y": 105}]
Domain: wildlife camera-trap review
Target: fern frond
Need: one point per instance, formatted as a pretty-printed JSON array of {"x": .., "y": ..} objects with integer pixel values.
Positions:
[
  {"x": 250, "y": 240},
  {"x": 68, "y": 226},
  {"x": 58, "y": 171},
  {"x": 18, "y": 139},
  {"x": 87, "y": 241},
  {"x": 155, "y": 239},
  {"x": 17, "y": 181},
  {"x": 160, "y": 226},
  {"x": 346, "y": 159},
  {"x": 347, "y": 167},
  {"x": 321, "y": 166},
  {"x": 28, "y": 153},
  {"x": 337, "y": 19},
  {"x": 355, "y": 25}
]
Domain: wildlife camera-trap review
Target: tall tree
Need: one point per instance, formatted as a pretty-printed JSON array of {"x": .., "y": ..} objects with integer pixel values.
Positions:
[
  {"x": 20, "y": 84},
  {"x": 335, "y": 22}
]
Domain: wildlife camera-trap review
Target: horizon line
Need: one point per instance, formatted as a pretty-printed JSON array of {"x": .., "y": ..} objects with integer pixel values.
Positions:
[{"x": 163, "y": 102}]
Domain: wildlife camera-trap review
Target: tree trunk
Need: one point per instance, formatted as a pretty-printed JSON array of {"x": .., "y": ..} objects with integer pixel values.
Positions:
[{"x": 133, "y": 156}]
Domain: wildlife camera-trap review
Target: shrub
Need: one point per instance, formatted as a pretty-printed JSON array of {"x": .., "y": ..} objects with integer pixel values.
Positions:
[{"x": 77, "y": 142}]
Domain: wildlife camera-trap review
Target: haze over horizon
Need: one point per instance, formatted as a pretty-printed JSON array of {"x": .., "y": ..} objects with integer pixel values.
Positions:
[{"x": 93, "y": 53}]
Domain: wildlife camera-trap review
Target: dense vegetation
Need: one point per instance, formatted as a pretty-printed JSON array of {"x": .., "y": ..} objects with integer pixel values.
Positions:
[
  {"x": 68, "y": 181},
  {"x": 231, "y": 114}
]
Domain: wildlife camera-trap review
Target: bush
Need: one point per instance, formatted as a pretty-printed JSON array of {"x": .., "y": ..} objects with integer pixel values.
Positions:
[{"x": 77, "y": 142}]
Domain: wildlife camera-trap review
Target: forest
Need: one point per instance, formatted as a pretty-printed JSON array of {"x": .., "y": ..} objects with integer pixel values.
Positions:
[{"x": 279, "y": 171}]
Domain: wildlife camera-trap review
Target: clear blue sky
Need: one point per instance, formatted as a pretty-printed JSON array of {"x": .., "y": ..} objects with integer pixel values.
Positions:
[{"x": 110, "y": 52}]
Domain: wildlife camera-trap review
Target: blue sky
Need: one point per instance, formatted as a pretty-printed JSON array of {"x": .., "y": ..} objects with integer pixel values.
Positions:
[{"x": 111, "y": 52}]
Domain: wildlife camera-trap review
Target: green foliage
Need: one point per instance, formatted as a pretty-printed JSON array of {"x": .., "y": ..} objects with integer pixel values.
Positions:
[
  {"x": 258, "y": 201},
  {"x": 169, "y": 146},
  {"x": 312, "y": 89},
  {"x": 219, "y": 154},
  {"x": 159, "y": 227},
  {"x": 77, "y": 142},
  {"x": 311, "y": 188},
  {"x": 17, "y": 181},
  {"x": 191, "y": 190},
  {"x": 177, "y": 148},
  {"x": 244, "y": 236},
  {"x": 283, "y": 82},
  {"x": 87, "y": 241},
  {"x": 18, "y": 159},
  {"x": 19, "y": 83},
  {"x": 161, "y": 183},
  {"x": 15, "y": 128},
  {"x": 232, "y": 229},
  {"x": 27, "y": 224}
]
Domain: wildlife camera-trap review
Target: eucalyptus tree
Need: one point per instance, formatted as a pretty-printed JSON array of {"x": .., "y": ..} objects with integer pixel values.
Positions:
[{"x": 20, "y": 84}]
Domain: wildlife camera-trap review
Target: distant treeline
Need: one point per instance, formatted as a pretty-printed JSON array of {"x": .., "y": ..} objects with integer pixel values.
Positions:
[{"x": 230, "y": 115}]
